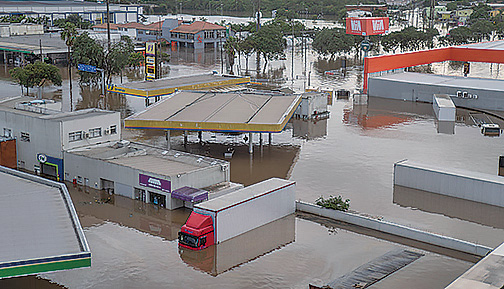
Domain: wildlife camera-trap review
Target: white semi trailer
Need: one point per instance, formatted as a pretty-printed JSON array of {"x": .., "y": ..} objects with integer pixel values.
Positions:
[{"x": 228, "y": 216}]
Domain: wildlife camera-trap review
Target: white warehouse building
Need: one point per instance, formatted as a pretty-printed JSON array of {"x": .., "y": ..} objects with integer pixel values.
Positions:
[{"x": 85, "y": 147}]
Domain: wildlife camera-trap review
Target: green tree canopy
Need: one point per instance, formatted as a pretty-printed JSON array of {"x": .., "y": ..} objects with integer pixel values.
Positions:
[
  {"x": 333, "y": 41},
  {"x": 269, "y": 42},
  {"x": 36, "y": 74}
]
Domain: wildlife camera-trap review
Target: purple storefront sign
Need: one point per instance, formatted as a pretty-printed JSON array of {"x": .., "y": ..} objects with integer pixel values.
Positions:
[{"x": 152, "y": 182}]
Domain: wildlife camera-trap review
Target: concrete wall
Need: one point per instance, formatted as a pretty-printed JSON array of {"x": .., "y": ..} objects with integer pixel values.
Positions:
[
  {"x": 395, "y": 229},
  {"x": 472, "y": 186},
  {"x": 44, "y": 137},
  {"x": 103, "y": 121},
  {"x": 487, "y": 99}
]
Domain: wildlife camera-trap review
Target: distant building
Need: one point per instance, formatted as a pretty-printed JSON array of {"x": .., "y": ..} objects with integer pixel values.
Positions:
[
  {"x": 367, "y": 7},
  {"x": 94, "y": 12},
  {"x": 15, "y": 29},
  {"x": 199, "y": 34}
]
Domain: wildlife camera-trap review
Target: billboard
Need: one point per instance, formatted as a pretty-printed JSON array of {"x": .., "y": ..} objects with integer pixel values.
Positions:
[{"x": 366, "y": 26}]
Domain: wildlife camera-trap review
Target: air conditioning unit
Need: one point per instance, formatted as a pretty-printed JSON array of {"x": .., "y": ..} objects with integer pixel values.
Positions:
[
  {"x": 107, "y": 131},
  {"x": 85, "y": 135}
]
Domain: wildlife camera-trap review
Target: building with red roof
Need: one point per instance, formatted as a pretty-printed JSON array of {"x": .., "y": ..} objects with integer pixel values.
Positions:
[{"x": 198, "y": 34}]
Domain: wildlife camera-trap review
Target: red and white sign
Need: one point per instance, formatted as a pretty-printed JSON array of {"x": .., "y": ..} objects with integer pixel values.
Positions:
[{"x": 366, "y": 26}]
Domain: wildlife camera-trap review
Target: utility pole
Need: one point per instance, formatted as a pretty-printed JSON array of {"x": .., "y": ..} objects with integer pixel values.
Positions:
[
  {"x": 41, "y": 57},
  {"x": 108, "y": 27},
  {"x": 258, "y": 24},
  {"x": 292, "y": 56}
]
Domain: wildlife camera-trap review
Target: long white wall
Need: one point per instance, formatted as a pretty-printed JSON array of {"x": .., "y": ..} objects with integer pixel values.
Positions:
[
  {"x": 395, "y": 229},
  {"x": 472, "y": 186}
]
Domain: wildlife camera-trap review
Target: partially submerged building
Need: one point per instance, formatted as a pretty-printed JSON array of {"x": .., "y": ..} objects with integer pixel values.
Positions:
[
  {"x": 146, "y": 173},
  {"x": 85, "y": 147},
  {"x": 43, "y": 134}
]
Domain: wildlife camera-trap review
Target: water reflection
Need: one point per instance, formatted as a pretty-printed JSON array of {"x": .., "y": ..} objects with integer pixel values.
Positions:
[
  {"x": 309, "y": 130},
  {"x": 266, "y": 161},
  {"x": 452, "y": 207},
  {"x": 446, "y": 127},
  {"x": 95, "y": 207},
  {"x": 242, "y": 249}
]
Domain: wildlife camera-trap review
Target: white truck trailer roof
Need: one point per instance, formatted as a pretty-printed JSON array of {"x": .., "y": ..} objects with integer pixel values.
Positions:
[{"x": 244, "y": 195}]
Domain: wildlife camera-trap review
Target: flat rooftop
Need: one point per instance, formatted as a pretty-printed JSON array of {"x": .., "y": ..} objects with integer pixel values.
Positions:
[
  {"x": 166, "y": 86},
  {"x": 486, "y": 274},
  {"x": 218, "y": 111},
  {"x": 40, "y": 229},
  {"x": 246, "y": 193},
  {"x": 22, "y": 106},
  {"x": 51, "y": 43},
  {"x": 148, "y": 158},
  {"x": 445, "y": 80},
  {"x": 54, "y": 6},
  {"x": 444, "y": 100},
  {"x": 492, "y": 45}
]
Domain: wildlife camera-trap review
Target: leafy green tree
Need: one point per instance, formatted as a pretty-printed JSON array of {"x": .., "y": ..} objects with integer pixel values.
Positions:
[
  {"x": 269, "y": 42},
  {"x": 36, "y": 74},
  {"x": 451, "y": 6},
  {"x": 333, "y": 41},
  {"x": 231, "y": 47},
  {"x": 482, "y": 29},
  {"x": 481, "y": 12},
  {"x": 246, "y": 47},
  {"x": 117, "y": 58},
  {"x": 457, "y": 36},
  {"x": 135, "y": 59},
  {"x": 88, "y": 51}
]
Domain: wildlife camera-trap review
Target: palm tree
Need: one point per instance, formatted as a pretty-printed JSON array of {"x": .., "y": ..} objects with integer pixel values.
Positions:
[{"x": 68, "y": 35}]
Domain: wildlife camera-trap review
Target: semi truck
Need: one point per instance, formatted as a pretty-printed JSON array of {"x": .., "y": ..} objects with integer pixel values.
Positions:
[{"x": 228, "y": 216}]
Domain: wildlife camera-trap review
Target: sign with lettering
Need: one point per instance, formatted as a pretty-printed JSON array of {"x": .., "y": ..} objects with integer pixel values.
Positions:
[
  {"x": 366, "y": 26},
  {"x": 152, "y": 182}
]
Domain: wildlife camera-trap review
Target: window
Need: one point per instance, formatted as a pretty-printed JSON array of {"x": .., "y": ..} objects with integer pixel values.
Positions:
[
  {"x": 75, "y": 136},
  {"x": 209, "y": 34},
  {"x": 7, "y": 132},
  {"x": 95, "y": 132},
  {"x": 25, "y": 137},
  {"x": 113, "y": 129}
]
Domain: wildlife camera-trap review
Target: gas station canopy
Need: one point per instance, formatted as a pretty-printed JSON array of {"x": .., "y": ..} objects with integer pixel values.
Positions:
[
  {"x": 166, "y": 86},
  {"x": 218, "y": 111}
]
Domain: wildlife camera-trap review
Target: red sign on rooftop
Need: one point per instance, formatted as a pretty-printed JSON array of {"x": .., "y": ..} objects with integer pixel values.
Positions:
[{"x": 366, "y": 26}]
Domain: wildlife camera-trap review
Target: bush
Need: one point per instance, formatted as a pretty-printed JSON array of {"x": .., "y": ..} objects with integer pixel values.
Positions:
[{"x": 334, "y": 203}]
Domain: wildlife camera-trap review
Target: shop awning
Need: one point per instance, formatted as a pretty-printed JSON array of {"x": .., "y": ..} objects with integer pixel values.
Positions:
[{"x": 190, "y": 194}]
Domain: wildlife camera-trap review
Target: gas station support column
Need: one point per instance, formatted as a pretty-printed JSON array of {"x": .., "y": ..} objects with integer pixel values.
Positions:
[{"x": 251, "y": 148}]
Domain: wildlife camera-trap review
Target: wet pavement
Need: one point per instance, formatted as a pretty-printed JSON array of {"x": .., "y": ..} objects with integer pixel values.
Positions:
[{"x": 352, "y": 154}]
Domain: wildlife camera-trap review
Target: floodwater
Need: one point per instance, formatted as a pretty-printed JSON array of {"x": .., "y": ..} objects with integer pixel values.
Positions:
[{"x": 350, "y": 154}]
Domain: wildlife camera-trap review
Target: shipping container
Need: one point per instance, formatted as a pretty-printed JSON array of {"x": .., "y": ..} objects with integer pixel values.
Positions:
[{"x": 238, "y": 212}]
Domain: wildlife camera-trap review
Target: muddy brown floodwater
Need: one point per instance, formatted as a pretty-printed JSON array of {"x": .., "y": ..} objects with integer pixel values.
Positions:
[{"x": 351, "y": 154}]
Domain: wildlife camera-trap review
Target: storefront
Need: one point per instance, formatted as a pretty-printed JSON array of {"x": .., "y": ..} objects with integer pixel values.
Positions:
[
  {"x": 158, "y": 196},
  {"x": 51, "y": 167}
]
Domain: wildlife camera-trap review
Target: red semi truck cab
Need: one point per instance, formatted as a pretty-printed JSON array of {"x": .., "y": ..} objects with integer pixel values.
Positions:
[{"x": 197, "y": 233}]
